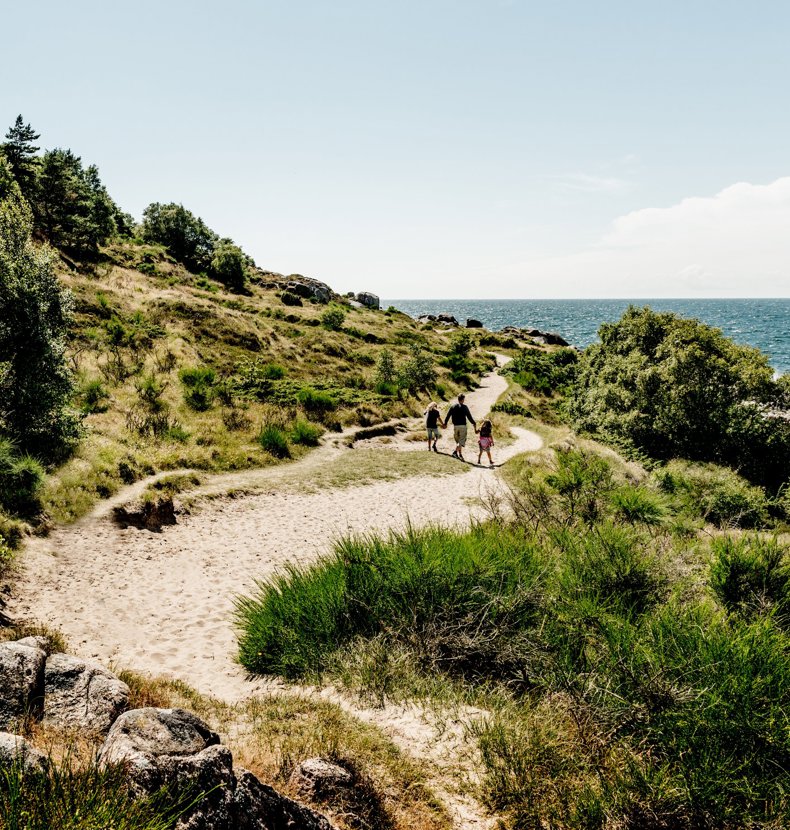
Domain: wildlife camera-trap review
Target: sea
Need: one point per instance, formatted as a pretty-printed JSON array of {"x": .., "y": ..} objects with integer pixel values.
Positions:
[{"x": 762, "y": 323}]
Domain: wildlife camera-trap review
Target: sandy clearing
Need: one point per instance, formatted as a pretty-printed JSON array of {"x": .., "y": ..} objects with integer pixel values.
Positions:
[{"x": 163, "y": 603}]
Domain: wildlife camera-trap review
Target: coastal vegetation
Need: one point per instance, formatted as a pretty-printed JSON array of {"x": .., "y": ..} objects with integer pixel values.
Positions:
[{"x": 618, "y": 623}]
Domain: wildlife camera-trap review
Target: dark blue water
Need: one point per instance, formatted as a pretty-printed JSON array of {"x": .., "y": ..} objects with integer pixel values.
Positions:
[{"x": 761, "y": 323}]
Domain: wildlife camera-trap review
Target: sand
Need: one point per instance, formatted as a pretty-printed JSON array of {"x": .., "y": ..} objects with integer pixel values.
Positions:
[{"x": 162, "y": 603}]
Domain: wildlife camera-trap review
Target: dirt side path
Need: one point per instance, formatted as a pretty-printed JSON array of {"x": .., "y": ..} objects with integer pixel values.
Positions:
[{"x": 162, "y": 603}]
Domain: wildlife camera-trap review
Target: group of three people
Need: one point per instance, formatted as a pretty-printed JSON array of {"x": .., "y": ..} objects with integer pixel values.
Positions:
[{"x": 458, "y": 414}]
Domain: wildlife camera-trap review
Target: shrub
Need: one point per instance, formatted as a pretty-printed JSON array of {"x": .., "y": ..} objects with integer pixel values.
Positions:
[
  {"x": 333, "y": 318},
  {"x": 303, "y": 432},
  {"x": 289, "y": 298},
  {"x": 198, "y": 383},
  {"x": 751, "y": 575},
  {"x": 273, "y": 371},
  {"x": 511, "y": 408},
  {"x": 316, "y": 401},
  {"x": 274, "y": 440},
  {"x": 186, "y": 236},
  {"x": 94, "y": 395},
  {"x": 386, "y": 372},
  {"x": 229, "y": 266},
  {"x": 638, "y": 504},
  {"x": 418, "y": 371},
  {"x": 150, "y": 390},
  {"x": 20, "y": 481}
]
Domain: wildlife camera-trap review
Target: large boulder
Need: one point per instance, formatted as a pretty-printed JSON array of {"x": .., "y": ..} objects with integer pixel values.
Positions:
[
  {"x": 82, "y": 694},
  {"x": 369, "y": 300},
  {"x": 259, "y": 807},
  {"x": 444, "y": 317},
  {"x": 15, "y": 750},
  {"x": 471, "y": 323},
  {"x": 21, "y": 683},
  {"x": 309, "y": 288},
  {"x": 175, "y": 749}
]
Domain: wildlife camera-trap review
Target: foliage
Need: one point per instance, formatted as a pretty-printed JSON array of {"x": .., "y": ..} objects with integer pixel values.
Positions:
[
  {"x": 713, "y": 493},
  {"x": 229, "y": 265},
  {"x": 638, "y": 504},
  {"x": 386, "y": 372},
  {"x": 671, "y": 387},
  {"x": 544, "y": 372},
  {"x": 317, "y": 401},
  {"x": 20, "y": 153},
  {"x": 289, "y": 298},
  {"x": 20, "y": 481},
  {"x": 274, "y": 440},
  {"x": 186, "y": 236},
  {"x": 306, "y": 433},
  {"x": 751, "y": 576},
  {"x": 82, "y": 798},
  {"x": 94, "y": 395},
  {"x": 418, "y": 372},
  {"x": 511, "y": 408},
  {"x": 71, "y": 205},
  {"x": 333, "y": 318},
  {"x": 35, "y": 384},
  {"x": 198, "y": 383}
]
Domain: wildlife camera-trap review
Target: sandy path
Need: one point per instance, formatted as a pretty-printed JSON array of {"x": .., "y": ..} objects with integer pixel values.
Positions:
[{"x": 163, "y": 603}]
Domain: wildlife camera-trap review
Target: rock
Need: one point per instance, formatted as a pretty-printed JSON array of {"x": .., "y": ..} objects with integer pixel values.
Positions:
[
  {"x": 83, "y": 694},
  {"x": 14, "y": 749},
  {"x": 447, "y": 318},
  {"x": 259, "y": 807},
  {"x": 148, "y": 515},
  {"x": 369, "y": 300},
  {"x": 35, "y": 641},
  {"x": 309, "y": 288},
  {"x": 355, "y": 304},
  {"x": 319, "y": 780},
  {"x": 554, "y": 339},
  {"x": 471, "y": 323},
  {"x": 174, "y": 748},
  {"x": 426, "y": 318},
  {"x": 21, "y": 682}
]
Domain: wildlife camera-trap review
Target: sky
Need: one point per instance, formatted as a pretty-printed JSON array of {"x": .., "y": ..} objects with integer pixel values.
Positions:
[{"x": 440, "y": 148}]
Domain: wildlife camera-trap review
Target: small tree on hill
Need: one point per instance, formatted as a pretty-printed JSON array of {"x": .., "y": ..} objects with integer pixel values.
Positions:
[
  {"x": 35, "y": 384},
  {"x": 229, "y": 265},
  {"x": 186, "y": 236},
  {"x": 20, "y": 153}
]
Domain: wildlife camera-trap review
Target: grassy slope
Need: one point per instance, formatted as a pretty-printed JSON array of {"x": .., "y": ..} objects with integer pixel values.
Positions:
[{"x": 132, "y": 324}]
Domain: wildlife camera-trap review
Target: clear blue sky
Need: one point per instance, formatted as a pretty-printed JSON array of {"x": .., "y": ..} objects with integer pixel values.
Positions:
[{"x": 437, "y": 148}]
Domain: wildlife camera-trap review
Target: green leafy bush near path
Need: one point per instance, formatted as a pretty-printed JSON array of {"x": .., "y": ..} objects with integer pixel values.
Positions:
[{"x": 632, "y": 678}]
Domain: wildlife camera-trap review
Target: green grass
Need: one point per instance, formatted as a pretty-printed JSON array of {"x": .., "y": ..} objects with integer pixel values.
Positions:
[
  {"x": 274, "y": 440},
  {"x": 622, "y": 688},
  {"x": 89, "y": 797}
]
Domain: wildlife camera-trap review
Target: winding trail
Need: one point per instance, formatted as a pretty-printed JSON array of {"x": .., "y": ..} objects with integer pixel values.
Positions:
[{"x": 162, "y": 603}]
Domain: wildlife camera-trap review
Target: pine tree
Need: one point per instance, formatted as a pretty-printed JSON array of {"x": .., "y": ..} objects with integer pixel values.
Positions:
[{"x": 20, "y": 153}]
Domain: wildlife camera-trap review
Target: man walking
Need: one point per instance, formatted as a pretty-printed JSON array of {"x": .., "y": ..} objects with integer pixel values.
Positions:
[{"x": 459, "y": 414}]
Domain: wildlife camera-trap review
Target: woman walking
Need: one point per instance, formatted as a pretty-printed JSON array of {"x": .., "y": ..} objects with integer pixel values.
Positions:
[{"x": 432, "y": 418}]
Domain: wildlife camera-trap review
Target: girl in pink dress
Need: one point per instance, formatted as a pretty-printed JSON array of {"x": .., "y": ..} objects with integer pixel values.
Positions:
[{"x": 485, "y": 442}]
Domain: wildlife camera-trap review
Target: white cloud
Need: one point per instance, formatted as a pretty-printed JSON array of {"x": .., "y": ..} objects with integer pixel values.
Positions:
[{"x": 736, "y": 243}]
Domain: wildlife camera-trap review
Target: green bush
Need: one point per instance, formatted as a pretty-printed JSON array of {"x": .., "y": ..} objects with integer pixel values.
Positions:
[
  {"x": 94, "y": 396},
  {"x": 638, "y": 504},
  {"x": 303, "y": 432},
  {"x": 273, "y": 371},
  {"x": 316, "y": 401},
  {"x": 333, "y": 318},
  {"x": 544, "y": 372},
  {"x": 751, "y": 575},
  {"x": 511, "y": 408},
  {"x": 289, "y": 298},
  {"x": 198, "y": 383},
  {"x": 418, "y": 372},
  {"x": 715, "y": 494},
  {"x": 274, "y": 440},
  {"x": 229, "y": 266},
  {"x": 675, "y": 388},
  {"x": 20, "y": 481}
]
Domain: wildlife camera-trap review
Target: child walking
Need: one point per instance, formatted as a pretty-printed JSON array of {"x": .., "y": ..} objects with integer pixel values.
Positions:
[
  {"x": 485, "y": 442},
  {"x": 432, "y": 418}
]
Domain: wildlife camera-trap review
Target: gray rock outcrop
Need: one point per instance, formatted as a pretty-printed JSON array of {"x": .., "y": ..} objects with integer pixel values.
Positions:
[
  {"x": 319, "y": 779},
  {"x": 14, "y": 749},
  {"x": 308, "y": 288},
  {"x": 471, "y": 323},
  {"x": 21, "y": 682},
  {"x": 444, "y": 317},
  {"x": 174, "y": 748},
  {"x": 369, "y": 300},
  {"x": 82, "y": 694}
]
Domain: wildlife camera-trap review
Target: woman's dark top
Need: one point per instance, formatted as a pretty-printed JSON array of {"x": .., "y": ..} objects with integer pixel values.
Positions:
[
  {"x": 432, "y": 419},
  {"x": 485, "y": 431}
]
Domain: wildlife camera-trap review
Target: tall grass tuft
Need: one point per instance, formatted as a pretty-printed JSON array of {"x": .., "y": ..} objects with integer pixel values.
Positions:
[{"x": 274, "y": 440}]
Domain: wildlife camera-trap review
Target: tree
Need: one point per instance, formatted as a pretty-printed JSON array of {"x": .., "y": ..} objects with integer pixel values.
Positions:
[
  {"x": 186, "y": 236},
  {"x": 20, "y": 153},
  {"x": 35, "y": 384},
  {"x": 671, "y": 387},
  {"x": 72, "y": 207},
  {"x": 229, "y": 265}
]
